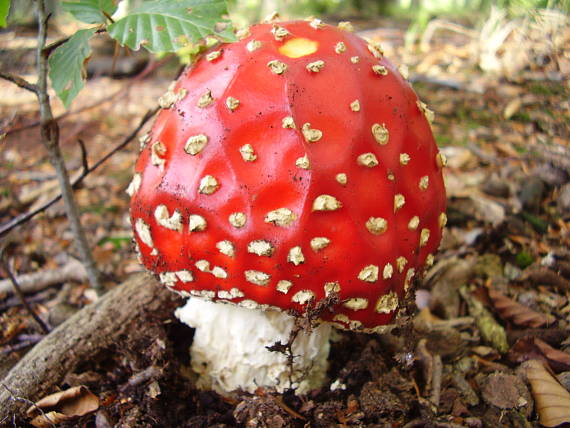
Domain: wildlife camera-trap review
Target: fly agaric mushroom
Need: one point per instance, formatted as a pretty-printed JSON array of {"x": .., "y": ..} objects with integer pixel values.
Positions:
[{"x": 288, "y": 166}]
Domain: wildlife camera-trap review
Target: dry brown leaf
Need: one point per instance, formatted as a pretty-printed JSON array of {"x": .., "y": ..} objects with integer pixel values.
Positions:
[
  {"x": 552, "y": 400},
  {"x": 528, "y": 348},
  {"x": 512, "y": 108},
  {"x": 545, "y": 276},
  {"x": 516, "y": 313},
  {"x": 63, "y": 406}
]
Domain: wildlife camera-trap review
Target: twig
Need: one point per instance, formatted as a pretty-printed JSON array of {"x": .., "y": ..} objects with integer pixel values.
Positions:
[
  {"x": 20, "y": 294},
  {"x": 23, "y": 218},
  {"x": 149, "y": 69},
  {"x": 18, "y": 346},
  {"x": 29, "y": 403},
  {"x": 84, "y": 159},
  {"x": 17, "y": 80},
  {"x": 436, "y": 380},
  {"x": 50, "y": 139},
  {"x": 53, "y": 46}
]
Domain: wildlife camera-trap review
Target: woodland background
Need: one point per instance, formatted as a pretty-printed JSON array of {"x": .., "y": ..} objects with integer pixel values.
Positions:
[{"x": 488, "y": 343}]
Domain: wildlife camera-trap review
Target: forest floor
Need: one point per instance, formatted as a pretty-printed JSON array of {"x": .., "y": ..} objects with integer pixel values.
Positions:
[{"x": 490, "y": 339}]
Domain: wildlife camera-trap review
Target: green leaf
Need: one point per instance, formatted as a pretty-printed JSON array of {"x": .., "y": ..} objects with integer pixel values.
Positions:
[
  {"x": 166, "y": 26},
  {"x": 66, "y": 65},
  {"x": 4, "y": 10},
  {"x": 91, "y": 11}
]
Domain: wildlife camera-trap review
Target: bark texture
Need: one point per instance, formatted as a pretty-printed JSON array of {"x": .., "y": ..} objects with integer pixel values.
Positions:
[{"x": 119, "y": 312}]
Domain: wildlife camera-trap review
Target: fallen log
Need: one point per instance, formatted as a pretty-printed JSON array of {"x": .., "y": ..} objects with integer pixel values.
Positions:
[
  {"x": 120, "y": 312},
  {"x": 72, "y": 270}
]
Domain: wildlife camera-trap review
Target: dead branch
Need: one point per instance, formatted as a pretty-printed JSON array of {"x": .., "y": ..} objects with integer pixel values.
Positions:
[
  {"x": 19, "y": 81},
  {"x": 18, "y": 291},
  {"x": 92, "y": 329},
  {"x": 150, "y": 68},
  {"x": 23, "y": 218},
  {"x": 73, "y": 270}
]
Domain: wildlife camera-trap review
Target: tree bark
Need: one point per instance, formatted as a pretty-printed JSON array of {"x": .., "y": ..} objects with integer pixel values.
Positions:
[{"x": 92, "y": 329}]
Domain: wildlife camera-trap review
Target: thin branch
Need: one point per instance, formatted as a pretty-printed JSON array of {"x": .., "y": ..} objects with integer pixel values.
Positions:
[
  {"x": 19, "y": 81},
  {"x": 29, "y": 403},
  {"x": 149, "y": 69},
  {"x": 50, "y": 139},
  {"x": 84, "y": 158},
  {"x": 20, "y": 294},
  {"x": 53, "y": 46},
  {"x": 23, "y": 218}
]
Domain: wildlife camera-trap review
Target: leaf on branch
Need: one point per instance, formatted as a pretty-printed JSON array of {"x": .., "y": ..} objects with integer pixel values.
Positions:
[
  {"x": 66, "y": 65},
  {"x": 4, "y": 10},
  {"x": 91, "y": 11},
  {"x": 518, "y": 314},
  {"x": 167, "y": 26},
  {"x": 552, "y": 399}
]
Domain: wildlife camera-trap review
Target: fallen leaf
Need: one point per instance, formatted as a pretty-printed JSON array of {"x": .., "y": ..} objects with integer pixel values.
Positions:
[
  {"x": 516, "y": 313},
  {"x": 528, "y": 348},
  {"x": 63, "y": 406},
  {"x": 504, "y": 391},
  {"x": 512, "y": 108},
  {"x": 552, "y": 400}
]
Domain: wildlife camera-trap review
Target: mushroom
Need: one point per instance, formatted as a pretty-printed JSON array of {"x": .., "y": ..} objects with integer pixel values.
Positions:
[{"x": 293, "y": 165}]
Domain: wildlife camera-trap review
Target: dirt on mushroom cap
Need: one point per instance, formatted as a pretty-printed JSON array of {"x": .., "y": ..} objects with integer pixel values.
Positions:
[{"x": 364, "y": 146}]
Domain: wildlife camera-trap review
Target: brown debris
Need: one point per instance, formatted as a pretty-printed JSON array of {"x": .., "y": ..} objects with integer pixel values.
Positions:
[{"x": 512, "y": 311}]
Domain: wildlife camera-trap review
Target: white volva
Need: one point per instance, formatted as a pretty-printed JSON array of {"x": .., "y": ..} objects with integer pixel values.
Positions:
[{"x": 229, "y": 351}]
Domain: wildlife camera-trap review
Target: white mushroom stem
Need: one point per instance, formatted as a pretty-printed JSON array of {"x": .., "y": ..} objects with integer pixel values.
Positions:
[{"x": 229, "y": 349}]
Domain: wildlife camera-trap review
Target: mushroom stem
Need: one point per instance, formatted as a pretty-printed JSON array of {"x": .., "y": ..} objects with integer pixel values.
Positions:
[{"x": 229, "y": 349}]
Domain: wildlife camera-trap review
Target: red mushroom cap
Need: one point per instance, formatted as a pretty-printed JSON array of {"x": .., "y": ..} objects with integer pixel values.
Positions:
[{"x": 293, "y": 163}]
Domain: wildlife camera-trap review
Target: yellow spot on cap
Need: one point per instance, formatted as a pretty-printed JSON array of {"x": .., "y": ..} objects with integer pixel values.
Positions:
[{"x": 298, "y": 47}]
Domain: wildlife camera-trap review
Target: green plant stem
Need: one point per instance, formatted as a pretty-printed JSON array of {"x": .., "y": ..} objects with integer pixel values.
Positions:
[{"x": 50, "y": 139}]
